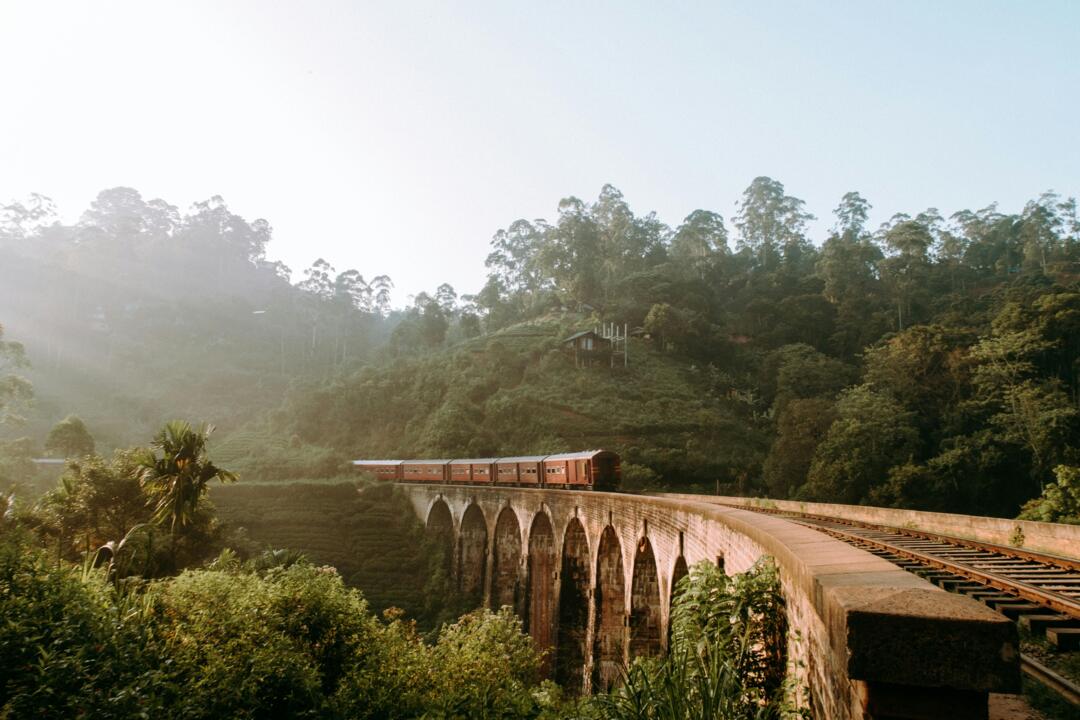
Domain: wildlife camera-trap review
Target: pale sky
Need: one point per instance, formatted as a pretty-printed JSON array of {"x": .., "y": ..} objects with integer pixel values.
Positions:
[{"x": 397, "y": 137}]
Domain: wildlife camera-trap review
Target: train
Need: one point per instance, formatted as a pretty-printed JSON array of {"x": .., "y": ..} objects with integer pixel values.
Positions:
[{"x": 585, "y": 470}]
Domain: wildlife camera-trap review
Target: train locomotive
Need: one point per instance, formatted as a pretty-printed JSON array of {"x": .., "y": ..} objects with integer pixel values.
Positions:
[{"x": 585, "y": 470}]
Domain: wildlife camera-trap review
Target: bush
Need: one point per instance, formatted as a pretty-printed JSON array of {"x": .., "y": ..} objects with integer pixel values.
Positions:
[
  {"x": 67, "y": 645},
  {"x": 728, "y": 655},
  {"x": 1059, "y": 502},
  {"x": 287, "y": 640}
]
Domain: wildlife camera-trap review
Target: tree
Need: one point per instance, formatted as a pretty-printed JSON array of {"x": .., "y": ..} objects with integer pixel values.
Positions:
[
  {"x": 771, "y": 224},
  {"x": 803, "y": 373},
  {"x": 20, "y": 220},
  {"x": 1039, "y": 226},
  {"x": 178, "y": 479},
  {"x": 800, "y": 428},
  {"x": 701, "y": 236},
  {"x": 121, "y": 213},
  {"x": 1060, "y": 500},
  {"x": 666, "y": 324},
  {"x": 848, "y": 265},
  {"x": 906, "y": 269},
  {"x": 851, "y": 215},
  {"x": 69, "y": 438},
  {"x": 96, "y": 501},
  {"x": 446, "y": 298},
  {"x": 14, "y": 389},
  {"x": 871, "y": 434},
  {"x": 923, "y": 367},
  {"x": 319, "y": 280}
]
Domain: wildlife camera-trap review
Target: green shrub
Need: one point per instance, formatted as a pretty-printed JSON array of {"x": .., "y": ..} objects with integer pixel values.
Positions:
[
  {"x": 728, "y": 656},
  {"x": 68, "y": 646},
  {"x": 274, "y": 637}
]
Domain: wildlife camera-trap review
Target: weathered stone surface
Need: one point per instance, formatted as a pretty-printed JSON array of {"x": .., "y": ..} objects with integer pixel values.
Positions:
[
  {"x": 541, "y": 590},
  {"x": 506, "y": 561},
  {"x": 1053, "y": 538},
  {"x": 912, "y": 636},
  {"x": 472, "y": 555},
  {"x": 609, "y": 650},
  {"x": 572, "y": 659},
  {"x": 645, "y": 603}
]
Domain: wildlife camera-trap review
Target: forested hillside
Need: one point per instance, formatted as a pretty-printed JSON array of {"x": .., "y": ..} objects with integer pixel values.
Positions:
[{"x": 931, "y": 362}]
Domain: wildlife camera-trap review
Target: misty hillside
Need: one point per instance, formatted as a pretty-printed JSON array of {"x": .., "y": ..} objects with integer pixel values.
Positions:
[{"x": 138, "y": 313}]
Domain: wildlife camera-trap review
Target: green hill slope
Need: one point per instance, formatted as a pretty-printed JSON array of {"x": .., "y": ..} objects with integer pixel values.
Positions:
[
  {"x": 372, "y": 537},
  {"x": 518, "y": 391}
]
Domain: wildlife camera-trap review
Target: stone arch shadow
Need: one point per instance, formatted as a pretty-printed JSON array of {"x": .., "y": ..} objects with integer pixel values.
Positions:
[
  {"x": 540, "y": 600},
  {"x": 506, "y": 562},
  {"x": 645, "y": 610},
  {"x": 609, "y": 647},
  {"x": 573, "y": 622},
  {"x": 472, "y": 556},
  {"x": 440, "y": 533}
]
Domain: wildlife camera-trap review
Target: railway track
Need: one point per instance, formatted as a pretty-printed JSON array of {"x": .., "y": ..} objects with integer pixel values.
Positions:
[{"x": 1041, "y": 592}]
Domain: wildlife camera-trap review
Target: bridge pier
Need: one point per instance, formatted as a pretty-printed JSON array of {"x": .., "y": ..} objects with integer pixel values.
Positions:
[{"x": 592, "y": 576}]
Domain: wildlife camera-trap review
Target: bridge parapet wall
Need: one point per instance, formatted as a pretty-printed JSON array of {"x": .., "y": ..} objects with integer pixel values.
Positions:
[
  {"x": 1052, "y": 538},
  {"x": 868, "y": 639}
]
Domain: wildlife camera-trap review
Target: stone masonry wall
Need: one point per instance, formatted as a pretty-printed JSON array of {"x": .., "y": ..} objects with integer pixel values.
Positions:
[{"x": 866, "y": 637}]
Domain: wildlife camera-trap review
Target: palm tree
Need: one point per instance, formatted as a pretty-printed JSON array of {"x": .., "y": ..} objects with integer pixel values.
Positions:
[{"x": 178, "y": 479}]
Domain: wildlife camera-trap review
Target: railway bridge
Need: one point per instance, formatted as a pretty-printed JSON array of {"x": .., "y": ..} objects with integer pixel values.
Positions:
[{"x": 592, "y": 573}]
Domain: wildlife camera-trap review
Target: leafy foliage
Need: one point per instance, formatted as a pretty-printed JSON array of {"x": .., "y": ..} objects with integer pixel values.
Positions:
[
  {"x": 233, "y": 641},
  {"x": 1060, "y": 501},
  {"x": 70, "y": 438},
  {"x": 728, "y": 656},
  {"x": 178, "y": 480},
  {"x": 14, "y": 388}
]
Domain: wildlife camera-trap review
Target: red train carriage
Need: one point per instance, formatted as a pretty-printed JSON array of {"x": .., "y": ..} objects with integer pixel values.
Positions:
[
  {"x": 381, "y": 469},
  {"x": 425, "y": 471},
  {"x": 523, "y": 470},
  {"x": 597, "y": 469},
  {"x": 475, "y": 471}
]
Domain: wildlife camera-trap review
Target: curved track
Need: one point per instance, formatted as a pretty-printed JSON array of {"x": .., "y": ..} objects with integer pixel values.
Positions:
[{"x": 1040, "y": 591}]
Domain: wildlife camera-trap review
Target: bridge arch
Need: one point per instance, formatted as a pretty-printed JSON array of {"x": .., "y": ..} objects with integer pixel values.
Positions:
[
  {"x": 572, "y": 648},
  {"x": 472, "y": 555},
  {"x": 609, "y": 649},
  {"x": 440, "y": 529},
  {"x": 506, "y": 561},
  {"x": 540, "y": 599},
  {"x": 678, "y": 572},
  {"x": 645, "y": 610},
  {"x": 857, "y": 614}
]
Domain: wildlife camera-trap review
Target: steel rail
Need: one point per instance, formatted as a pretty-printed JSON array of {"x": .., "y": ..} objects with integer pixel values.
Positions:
[
  {"x": 1050, "y": 599},
  {"x": 1063, "y": 687},
  {"x": 1061, "y": 561}
]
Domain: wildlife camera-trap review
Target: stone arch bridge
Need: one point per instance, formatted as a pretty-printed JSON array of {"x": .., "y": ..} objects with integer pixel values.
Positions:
[{"x": 592, "y": 574}]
